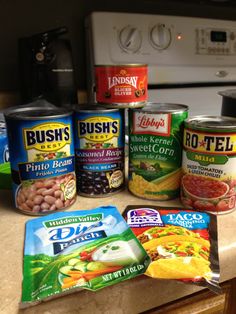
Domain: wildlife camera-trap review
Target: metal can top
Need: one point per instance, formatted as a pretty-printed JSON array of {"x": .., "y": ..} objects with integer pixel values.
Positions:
[
  {"x": 133, "y": 65},
  {"x": 215, "y": 123},
  {"x": 37, "y": 113},
  {"x": 94, "y": 108},
  {"x": 162, "y": 108}
]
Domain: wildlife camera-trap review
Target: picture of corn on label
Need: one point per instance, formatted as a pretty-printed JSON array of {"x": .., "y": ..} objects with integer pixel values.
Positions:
[{"x": 155, "y": 154}]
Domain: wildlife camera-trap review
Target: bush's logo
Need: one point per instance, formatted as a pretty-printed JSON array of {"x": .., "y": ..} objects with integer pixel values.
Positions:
[
  {"x": 47, "y": 136},
  {"x": 221, "y": 143},
  {"x": 98, "y": 129},
  {"x": 150, "y": 123}
]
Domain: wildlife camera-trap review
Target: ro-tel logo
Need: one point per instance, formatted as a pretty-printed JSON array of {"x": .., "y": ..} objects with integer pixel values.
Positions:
[
  {"x": 152, "y": 123},
  {"x": 98, "y": 129},
  {"x": 220, "y": 143},
  {"x": 47, "y": 137},
  {"x": 122, "y": 78}
]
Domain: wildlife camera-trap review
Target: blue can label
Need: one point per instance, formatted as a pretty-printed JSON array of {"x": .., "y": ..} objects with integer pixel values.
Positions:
[
  {"x": 42, "y": 162},
  {"x": 99, "y": 141}
]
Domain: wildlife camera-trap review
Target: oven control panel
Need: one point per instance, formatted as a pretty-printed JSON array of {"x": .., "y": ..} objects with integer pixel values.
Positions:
[
  {"x": 213, "y": 41},
  {"x": 177, "y": 49}
]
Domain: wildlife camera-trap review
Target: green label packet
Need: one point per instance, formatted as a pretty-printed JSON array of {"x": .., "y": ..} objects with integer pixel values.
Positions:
[{"x": 77, "y": 250}]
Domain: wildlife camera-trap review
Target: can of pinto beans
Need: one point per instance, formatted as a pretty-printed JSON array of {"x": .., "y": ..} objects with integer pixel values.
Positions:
[
  {"x": 209, "y": 164},
  {"x": 41, "y": 151},
  {"x": 99, "y": 151},
  {"x": 121, "y": 86}
]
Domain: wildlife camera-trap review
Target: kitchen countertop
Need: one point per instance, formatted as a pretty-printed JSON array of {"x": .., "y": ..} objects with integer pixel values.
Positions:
[{"x": 132, "y": 296}]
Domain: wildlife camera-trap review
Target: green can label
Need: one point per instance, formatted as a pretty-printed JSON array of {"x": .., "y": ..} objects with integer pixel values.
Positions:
[{"x": 155, "y": 152}]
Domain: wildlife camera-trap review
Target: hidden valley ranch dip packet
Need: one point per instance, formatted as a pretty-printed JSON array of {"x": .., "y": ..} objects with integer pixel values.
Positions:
[{"x": 69, "y": 251}]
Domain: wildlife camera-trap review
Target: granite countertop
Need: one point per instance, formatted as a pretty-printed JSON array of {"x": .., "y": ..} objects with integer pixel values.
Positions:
[{"x": 132, "y": 296}]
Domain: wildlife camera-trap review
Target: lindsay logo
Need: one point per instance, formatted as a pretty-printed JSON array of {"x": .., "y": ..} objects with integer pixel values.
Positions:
[
  {"x": 148, "y": 123},
  {"x": 122, "y": 78}
]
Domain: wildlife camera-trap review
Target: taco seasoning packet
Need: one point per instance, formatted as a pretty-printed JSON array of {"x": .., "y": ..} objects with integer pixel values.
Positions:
[
  {"x": 69, "y": 251},
  {"x": 182, "y": 244}
]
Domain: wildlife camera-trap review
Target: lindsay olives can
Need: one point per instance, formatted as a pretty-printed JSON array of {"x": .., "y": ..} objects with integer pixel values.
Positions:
[
  {"x": 99, "y": 151},
  {"x": 121, "y": 86},
  {"x": 155, "y": 150},
  {"x": 209, "y": 164},
  {"x": 42, "y": 159}
]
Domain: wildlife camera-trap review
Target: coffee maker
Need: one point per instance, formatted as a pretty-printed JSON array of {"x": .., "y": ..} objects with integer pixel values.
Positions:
[{"x": 46, "y": 68}]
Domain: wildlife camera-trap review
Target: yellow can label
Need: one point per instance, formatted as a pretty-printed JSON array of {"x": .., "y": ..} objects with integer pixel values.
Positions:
[
  {"x": 47, "y": 137},
  {"x": 212, "y": 143},
  {"x": 97, "y": 129}
]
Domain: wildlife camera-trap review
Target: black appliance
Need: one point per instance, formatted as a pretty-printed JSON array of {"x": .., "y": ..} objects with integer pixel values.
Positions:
[{"x": 46, "y": 68}]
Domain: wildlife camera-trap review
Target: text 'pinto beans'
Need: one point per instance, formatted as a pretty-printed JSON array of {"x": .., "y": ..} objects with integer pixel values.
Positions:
[{"x": 42, "y": 159}]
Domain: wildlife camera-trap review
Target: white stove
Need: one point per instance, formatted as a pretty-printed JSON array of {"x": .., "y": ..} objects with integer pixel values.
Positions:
[{"x": 189, "y": 59}]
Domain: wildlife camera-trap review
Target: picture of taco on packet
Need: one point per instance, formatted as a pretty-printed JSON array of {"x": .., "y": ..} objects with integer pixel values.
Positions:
[
  {"x": 178, "y": 257},
  {"x": 182, "y": 244}
]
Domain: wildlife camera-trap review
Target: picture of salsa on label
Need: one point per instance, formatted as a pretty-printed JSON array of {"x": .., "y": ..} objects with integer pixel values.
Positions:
[
  {"x": 209, "y": 162},
  {"x": 70, "y": 251},
  {"x": 182, "y": 244}
]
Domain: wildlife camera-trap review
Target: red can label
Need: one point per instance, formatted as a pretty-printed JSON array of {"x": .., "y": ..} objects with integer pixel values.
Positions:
[{"x": 121, "y": 84}]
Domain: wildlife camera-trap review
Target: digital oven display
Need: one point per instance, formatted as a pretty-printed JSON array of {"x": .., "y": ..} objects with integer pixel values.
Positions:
[{"x": 217, "y": 36}]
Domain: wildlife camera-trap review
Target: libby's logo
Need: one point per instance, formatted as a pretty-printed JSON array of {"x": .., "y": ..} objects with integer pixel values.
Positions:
[
  {"x": 47, "y": 136},
  {"x": 148, "y": 123},
  {"x": 221, "y": 143},
  {"x": 122, "y": 78},
  {"x": 99, "y": 129}
]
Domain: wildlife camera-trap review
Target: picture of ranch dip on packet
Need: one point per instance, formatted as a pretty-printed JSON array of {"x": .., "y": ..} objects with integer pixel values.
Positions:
[
  {"x": 182, "y": 244},
  {"x": 70, "y": 251}
]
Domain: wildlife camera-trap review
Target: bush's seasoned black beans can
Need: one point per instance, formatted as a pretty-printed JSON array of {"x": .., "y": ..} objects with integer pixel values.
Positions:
[
  {"x": 99, "y": 151},
  {"x": 41, "y": 150}
]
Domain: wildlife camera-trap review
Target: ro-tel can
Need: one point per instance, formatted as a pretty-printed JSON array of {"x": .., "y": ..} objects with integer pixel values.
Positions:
[
  {"x": 121, "y": 86},
  {"x": 99, "y": 151},
  {"x": 42, "y": 159},
  {"x": 155, "y": 150},
  {"x": 209, "y": 164}
]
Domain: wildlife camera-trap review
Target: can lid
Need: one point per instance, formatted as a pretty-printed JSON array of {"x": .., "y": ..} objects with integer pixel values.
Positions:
[
  {"x": 128, "y": 65},
  {"x": 94, "y": 108},
  {"x": 211, "y": 122},
  {"x": 163, "y": 108},
  {"x": 36, "y": 113}
]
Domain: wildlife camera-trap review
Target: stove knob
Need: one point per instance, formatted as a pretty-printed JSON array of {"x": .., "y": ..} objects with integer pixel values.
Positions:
[
  {"x": 160, "y": 36},
  {"x": 130, "y": 39}
]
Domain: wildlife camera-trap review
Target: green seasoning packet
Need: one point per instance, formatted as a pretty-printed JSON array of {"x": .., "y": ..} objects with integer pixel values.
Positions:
[{"x": 88, "y": 249}]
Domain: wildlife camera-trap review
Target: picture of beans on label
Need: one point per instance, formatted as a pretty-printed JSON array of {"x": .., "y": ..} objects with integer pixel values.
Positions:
[
  {"x": 209, "y": 178},
  {"x": 46, "y": 195},
  {"x": 99, "y": 151},
  {"x": 42, "y": 159}
]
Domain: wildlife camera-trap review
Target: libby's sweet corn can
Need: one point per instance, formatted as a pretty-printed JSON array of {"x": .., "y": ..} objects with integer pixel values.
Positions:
[{"x": 155, "y": 150}]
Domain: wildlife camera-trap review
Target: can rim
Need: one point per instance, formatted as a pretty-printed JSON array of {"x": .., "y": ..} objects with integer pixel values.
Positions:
[
  {"x": 37, "y": 113},
  {"x": 211, "y": 122},
  {"x": 159, "y": 107},
  {"x": 129, "y": 65},
  {"x": 94, "y": 108}
]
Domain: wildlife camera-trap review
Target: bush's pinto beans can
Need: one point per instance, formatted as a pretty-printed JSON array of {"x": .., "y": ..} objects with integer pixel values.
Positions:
[
  {"x": 42, "y": 159},
  {"x": 121, "y": 86},
  {"x": 209, "y": 164},
  {"x": 99, "y": 151},
  {"x": 155, "y": 150}
]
